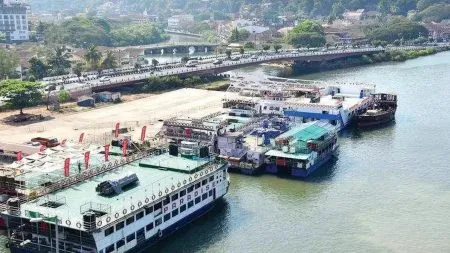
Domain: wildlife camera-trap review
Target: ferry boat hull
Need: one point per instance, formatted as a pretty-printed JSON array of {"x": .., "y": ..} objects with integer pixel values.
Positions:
[
  {"x": 302, "y": 173},
  {"x": 364, "y": 121}
]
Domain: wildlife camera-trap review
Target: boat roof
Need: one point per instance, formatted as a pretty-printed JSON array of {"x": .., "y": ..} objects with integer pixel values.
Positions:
[
  {"x": 295, "y": 156},
  {"x": 305, "y": 132},
  {"x": 164, "y": 172}
]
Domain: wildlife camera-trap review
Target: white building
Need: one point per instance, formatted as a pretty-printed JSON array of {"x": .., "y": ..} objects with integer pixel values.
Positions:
[
  {"x": 14, "y": 20},
  {"x": 175, "y": 22}
]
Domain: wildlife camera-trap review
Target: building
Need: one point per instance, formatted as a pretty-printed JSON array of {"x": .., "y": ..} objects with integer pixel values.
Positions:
[
  {"x": 14, "y": 20},
  {"x": 438, "y": 31},
  {"x": 354, "y": 15},
  {"x": 175, "y": 22}
]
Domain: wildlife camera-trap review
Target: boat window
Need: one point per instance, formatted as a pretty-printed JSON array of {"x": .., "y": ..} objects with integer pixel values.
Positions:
[
  {"x": 190, "y": 189},
  {"x": 166, "y": 201},
  {"x": 130, "y": 220},
  {"x": 204, "y": 196},
  {"x": 109, "y": 231},
  {"x": 211, "y": 178},
  {"x": 210, "y": 193},
  {"x": 175, "y": 197},
  {"x": 190, "y": 204},
  {"x": 120, "y": 225},
  {"x": 140, "y": 215},
  {"x": 120, "y": 243},
  {"x": 149, "y": 227},
  {"x": 131, "y": 237},
  {"x": 197, "y": 185},
  {"x": 204, "y": 182},
  {"x": 109, "y": 249},
  {"x": 182, "y": 208},
  {"x": 197, "y": 200},
  {"x": 140, "y": 232},
  {"x": 157, "y": 206},
  {"x": 182, "y": 193},
  {"x": 158, "y": 221},
  {"x": 100, "y": 251},
  {"x": 174, "y": 212},
  {"x": 148, "y": 210},
  {"x": 167, "y": 217}
]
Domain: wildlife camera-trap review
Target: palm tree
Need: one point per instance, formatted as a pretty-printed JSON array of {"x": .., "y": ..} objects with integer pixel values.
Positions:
[
  {"x": 93, "y": 56},
  {"x": 78, "y": 69},
  {"x": 109, "y": 61},
  {"x": 154, "y": 62},
  {"x": 59, "y": 60},
  {"x": 228, "y": 53}
]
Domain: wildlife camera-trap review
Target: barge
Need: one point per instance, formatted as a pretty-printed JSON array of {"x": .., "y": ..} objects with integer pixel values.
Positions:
[{"x": 381, "y": 112}]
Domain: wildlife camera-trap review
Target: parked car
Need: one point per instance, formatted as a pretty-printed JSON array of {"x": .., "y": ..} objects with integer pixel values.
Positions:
[
  {"x": 217, "y": 62},
  {"x": 254, "y": 57},
  {"x": 104, "y": 79}
]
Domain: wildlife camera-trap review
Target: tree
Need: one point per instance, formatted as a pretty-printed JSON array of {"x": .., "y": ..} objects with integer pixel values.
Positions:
[
  {"x": 228, "y": 53},
  {"x": 2, "y": 36},
  {"x": 306, "y": 34},
  {"x": 8, "y": 62},
  {"x": 276, "y": 47},
  {"x": 20, "y": 94},
  {"x": 265, "y": 47},
  {"x": 38, "y": 68},
  {"x": 59, "y": 60},
  {"x": 109, "y": 61},
  {"x": 185, "y": 59},
  {"x": 93, "y": 56},
  {"x": 241, "y": 51},
  {"x": 78, "y": 69},
  {"x": 396, "y": 29},
  {"x": 155, "y": 62},
  {"x": 63, "y": 96}
]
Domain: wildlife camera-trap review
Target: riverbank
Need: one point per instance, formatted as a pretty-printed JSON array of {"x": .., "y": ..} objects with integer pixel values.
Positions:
[{"x": 388, "y": 56}]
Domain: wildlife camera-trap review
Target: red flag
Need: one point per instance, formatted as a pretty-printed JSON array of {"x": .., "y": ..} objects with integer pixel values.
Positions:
[
  {"x": 144, "y": 129},
  {"x": 66, "y": 167},
  {"x": 80, "y": 140},
  {"x": 188, "y": 132},
  {"x": 86, "y": 159},
  {"x": 124, "y": 147},
  {"x": 19, "y": 155},
  {"x": 42, "y": 148},
  {"x": 116, "y": 131},
  {"x": 63, "y": 142},
  {"x": 107, "y": 152}
]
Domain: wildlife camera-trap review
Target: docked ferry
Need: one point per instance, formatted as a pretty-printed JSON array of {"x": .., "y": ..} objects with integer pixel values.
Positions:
[
  {"x": 302, "y": 150},
  {"x": 159, "y": 193},
  {"x": 381, "y": 112}
]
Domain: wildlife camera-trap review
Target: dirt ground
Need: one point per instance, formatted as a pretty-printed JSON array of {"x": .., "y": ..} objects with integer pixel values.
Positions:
[{"x": 135, "y": 112}]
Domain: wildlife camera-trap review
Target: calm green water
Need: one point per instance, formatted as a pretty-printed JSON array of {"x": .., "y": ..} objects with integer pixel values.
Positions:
[{"x": 388, "y": 190}]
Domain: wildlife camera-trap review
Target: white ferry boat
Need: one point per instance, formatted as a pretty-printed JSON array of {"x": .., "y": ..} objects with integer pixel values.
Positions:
[{"x": 69, "y": 216}]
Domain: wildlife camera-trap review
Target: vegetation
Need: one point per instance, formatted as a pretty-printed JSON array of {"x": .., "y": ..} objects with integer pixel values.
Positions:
[
  {"x": 82, "y": 32},
  {"x": 109, "y": 61},
  {"x": 20, "y": 94},
  {"x": 238, "y": 35},
  {"x": 38, "y": 69},
  {"x": 174, "y": 82},
  {"x": 396, "y": 29},
  {"x": 93, "y": 57},
  {"x": 306, "y": 34},
  {"x": 277, "y": 47},
  {"x": 59, "y": 60},
  {"x": 78, "y": 68},
  {"x": 8, "y": 62},
  {"x": 63, "y": 96},
  {"x": 435, "y": 13}
]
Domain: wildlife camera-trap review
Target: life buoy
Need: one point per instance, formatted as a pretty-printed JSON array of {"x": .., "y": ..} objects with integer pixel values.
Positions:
[
  {"x": 132, "y": 207},
  {"x": 179, "y": 184},
  {"x": 124, "y": 211},
  {"x": 184, "y": 182},
  {"x": 160, "y": 193},
  {"x": 153, "y": 197},
  {"x": 190, "y": 179},
  {"x": 116, "y": 215},
  {"x": 160, "y": 233},
  {"x": 139, "y": 204},
  {"x": 68, "y": 223},
  {"x": 148, "y": 200},
  {"x": 78, "y": 225},
  {"x": 99, "y": 223},
  {"x": 108, "y": 219},
  {"x": 201, "y": 173},
  {"x": 195, "y": 175},
  {"x": 167, "y": 190},
  {"x": 173, "y": 187}
]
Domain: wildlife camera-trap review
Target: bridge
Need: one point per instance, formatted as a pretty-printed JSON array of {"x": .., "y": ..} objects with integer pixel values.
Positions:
[
  {"x": 180, "y": 47},
  {"x": 126, "y": 77}
]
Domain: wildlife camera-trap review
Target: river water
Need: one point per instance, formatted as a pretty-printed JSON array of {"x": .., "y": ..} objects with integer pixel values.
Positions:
[{"x": 387, "y": 191}]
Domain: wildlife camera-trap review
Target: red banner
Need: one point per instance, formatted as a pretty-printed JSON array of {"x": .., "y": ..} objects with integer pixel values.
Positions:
[
  {"x": 63, "y": 142},
  {"x": 67, "y": 167},
  {"x": 107, "y": 152},
  {"x": 42, "y": 148},
  {"x": 188, "y": 132},
  {"x": 124, "y": 147},
  {"x": 80, "y": 140},
  {"x": 143, "y": 132},
  {"x": 19, "y": 155},
  {"x": 116, "y": 130},
  {"x": 86, "y": 159}
]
